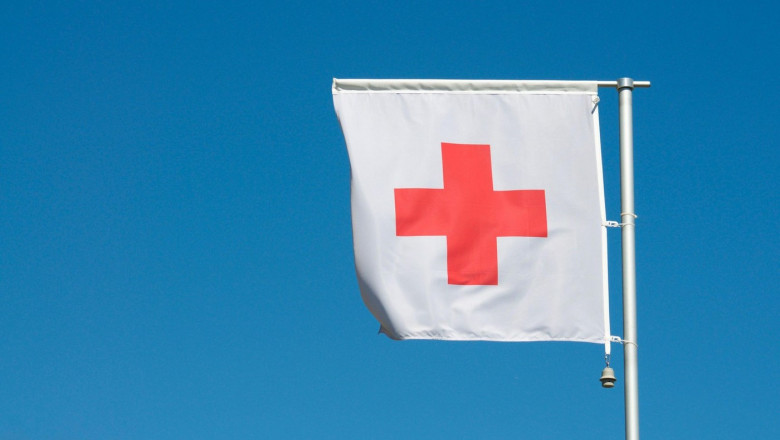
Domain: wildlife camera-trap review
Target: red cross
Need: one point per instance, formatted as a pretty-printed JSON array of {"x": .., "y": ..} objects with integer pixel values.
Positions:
[{"x": 470, "y": 214}]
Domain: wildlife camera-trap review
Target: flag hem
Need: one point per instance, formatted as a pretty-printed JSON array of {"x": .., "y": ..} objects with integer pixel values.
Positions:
[
  {"x": 460, "y": 337},
  {"x": 462, "y": 86},
  {"x": 604, "y": 246}
]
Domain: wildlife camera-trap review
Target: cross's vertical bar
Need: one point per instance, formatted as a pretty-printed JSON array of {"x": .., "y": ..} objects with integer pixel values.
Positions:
[{"x": 625, "y": 88}]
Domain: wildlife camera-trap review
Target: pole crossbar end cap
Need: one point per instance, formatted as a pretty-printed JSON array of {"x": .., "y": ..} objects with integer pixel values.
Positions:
[{"x": 625, "y": 83}]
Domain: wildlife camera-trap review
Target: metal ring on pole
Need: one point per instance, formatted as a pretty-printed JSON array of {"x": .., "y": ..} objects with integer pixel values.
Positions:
[{"x": 625, "y": 83}]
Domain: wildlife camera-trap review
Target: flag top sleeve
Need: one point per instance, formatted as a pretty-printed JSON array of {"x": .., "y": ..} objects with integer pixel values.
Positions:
[
  {"x": 461, "y": 86},
  {"x": 478, "y": 208}
]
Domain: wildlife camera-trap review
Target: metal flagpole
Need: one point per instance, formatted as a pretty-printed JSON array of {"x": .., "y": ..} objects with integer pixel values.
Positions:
[{"x": 625, "y": 87}]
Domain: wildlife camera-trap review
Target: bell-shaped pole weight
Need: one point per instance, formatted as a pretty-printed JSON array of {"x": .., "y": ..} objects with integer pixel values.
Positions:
[{"x": 608, "y": 377}]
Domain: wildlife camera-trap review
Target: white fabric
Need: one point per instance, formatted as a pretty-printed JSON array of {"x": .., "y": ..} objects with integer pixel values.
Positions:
[
  {"x": 549, "y": 288},
  {"x": 460, "y": 86}
]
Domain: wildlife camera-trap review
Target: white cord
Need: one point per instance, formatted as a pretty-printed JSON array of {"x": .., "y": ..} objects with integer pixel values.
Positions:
[{"x": 619, "y": 340}]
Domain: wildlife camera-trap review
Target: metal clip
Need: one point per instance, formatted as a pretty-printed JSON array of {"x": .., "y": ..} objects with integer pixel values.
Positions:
[{"x": 611, "y": 224}]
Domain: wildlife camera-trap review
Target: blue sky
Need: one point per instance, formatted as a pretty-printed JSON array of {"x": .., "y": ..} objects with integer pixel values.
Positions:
[{"x": 175, "y": 238}]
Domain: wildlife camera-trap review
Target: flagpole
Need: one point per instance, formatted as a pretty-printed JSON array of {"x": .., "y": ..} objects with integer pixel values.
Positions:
[{"x": 625, "y": 88}]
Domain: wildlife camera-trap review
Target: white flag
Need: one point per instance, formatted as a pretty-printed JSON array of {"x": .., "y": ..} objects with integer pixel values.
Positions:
[{"x": 478, "y": 208}]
